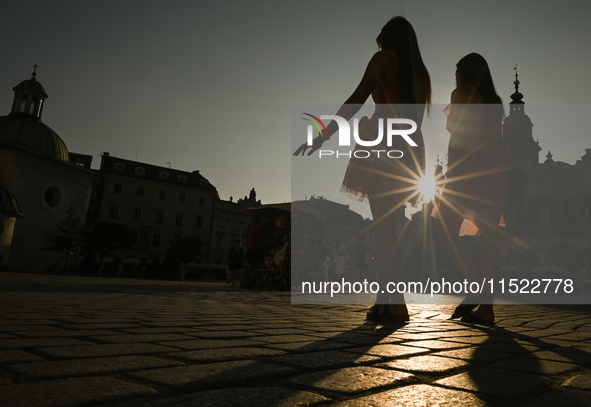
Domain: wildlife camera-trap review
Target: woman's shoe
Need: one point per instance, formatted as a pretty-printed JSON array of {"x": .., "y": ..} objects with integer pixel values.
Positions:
[
  {"x": 465, "y": 308},
  {"x": 384, "y": 313},
  {"x": 375, "y": 313},
  {"x": 391, "y": 317}
]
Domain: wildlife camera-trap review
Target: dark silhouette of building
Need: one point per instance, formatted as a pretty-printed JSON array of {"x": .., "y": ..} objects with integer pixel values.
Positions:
[
  {"x": 547, "y": 215},
  {"x": 40, "y": 180}
]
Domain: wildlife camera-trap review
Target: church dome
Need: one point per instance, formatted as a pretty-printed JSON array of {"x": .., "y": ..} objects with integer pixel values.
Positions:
[
  {"x": 21, "y": 131},
  {"x": 23, "y": 128}
]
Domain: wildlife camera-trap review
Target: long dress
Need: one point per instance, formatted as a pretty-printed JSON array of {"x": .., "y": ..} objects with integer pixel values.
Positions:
[
  {"x": 477, "y": 184},
  {"x": 385, "y": 174}
]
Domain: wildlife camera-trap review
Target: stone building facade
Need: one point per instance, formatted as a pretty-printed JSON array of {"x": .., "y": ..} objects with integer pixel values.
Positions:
[
  {"x": 156, "y": 203},
  {"x": 36, "y": 172}
]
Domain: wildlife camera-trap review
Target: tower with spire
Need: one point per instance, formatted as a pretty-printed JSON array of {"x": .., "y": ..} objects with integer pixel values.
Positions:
[{"x": 518, "y": 142}]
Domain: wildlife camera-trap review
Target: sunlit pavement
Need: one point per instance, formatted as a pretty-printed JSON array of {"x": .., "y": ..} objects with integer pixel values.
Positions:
[{"x": 77, "y": 341}]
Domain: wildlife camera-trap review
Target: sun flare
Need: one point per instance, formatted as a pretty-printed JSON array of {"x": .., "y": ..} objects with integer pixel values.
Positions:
[{"x": 427, "y": 187}]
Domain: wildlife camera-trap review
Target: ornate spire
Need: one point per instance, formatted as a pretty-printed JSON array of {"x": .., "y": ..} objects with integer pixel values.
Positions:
[
  {"x": 517, "y": 97},
  {"x": 549, "y": 158}
]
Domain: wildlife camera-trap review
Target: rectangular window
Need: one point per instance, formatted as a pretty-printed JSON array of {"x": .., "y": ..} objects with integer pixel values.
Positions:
[
  {"x": 179, "y": 219},
  {"x": 544, "y": 217},
  {"x": 139, "y": 191},
  {"x": 162, "y": 195},
  {"x": 199, "y": 224},
  {"x": 159, "y": 217},
  {"x": 137, "y": 214},
  {"x": 114, "y": 212},
  {"x": 117, "y": 188},
  {"x": 219, "y": 242},
  {"x": 202, "y": 201},
  {"x": 182, "y": 198},
  {"x": 156, "y": 239},
  {"x": 582, "y": 216},
  {"x": 134, "y": 237},
  {"x": 510, "y": 221}
]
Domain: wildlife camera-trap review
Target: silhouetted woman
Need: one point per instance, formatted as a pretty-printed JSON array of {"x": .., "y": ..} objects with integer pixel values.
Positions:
[
  {"x": 476, "y": 189},
  {"x": 399, "y": 84}
]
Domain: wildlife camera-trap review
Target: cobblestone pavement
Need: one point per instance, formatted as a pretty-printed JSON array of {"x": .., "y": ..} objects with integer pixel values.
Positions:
[{"x": 81, "y": 341}]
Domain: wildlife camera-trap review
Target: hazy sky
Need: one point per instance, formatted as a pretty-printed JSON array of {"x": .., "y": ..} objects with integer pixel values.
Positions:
[{"x": 209, "y": 86}]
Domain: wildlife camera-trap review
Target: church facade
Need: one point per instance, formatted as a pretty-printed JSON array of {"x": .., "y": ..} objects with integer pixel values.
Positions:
[
  {"x": 547, "y": 215},
  {"x": 38, "y": 181}
]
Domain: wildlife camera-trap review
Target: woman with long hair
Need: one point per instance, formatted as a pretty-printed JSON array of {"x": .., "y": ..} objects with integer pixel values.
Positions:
[
  {"x": 476, "y": 189},
  {"x": 399, "y": 84}
]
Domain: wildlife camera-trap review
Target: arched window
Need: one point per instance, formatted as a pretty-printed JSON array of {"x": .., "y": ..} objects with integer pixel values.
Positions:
[
  {"x": 32, "y": 106},
  {"x": 139, "y": 171},
  {"x": 118, "y": 167},
  {"x": 182, "y": 179},
  {"x": 23, "y": 104},
  {"x": 164, "y": 176}
]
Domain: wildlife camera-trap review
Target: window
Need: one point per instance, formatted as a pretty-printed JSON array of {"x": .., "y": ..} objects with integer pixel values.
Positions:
[
  {"x": 202, "y": 201},
  {"x": 162, "y": 195},
  {"x": 219, "y": 242},
  {"x": 544, "y": 217},
  {"x": 137, "y": 214},
  {"x": 163, "y": 176},
  {"x": 139, "y": 171},
  {"x": 139, "y": 191},
  {"x": 203, "y": 183},
  {"x": 199, "y": 223},
  {"x": 182, "y": 179},
  {"x": 156, "y": 239},
  {"x": 582, "y": 216},
  {"x": 159, "y": 217},
  {"x": 179, "y": 219},
  {"x": 510, "y": 221},
  {"x": 114, "y": 212},
  {"x": 118, "y": 167},
  {"x": 32, "y": 107},
  {"x": 182, "y": 198},
  {"x": 23, "y": 105},
  {"x": 117, "y": 188}
]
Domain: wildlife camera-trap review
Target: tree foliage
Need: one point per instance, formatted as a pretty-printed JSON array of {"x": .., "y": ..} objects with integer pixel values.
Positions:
[
  {"x": 105, "y": 237},
  {"x": 71, "y": 233},
  {"x": 183, "y": 249}
]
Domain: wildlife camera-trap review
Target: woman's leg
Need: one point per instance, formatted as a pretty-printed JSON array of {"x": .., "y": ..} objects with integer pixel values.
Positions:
[
  {"x": 448, "y": 232},
  {"x": 384, "y": 209},
  {"x": 488, "y": 244}
]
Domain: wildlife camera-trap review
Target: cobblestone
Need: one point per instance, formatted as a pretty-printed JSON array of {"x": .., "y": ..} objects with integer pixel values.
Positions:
[{"x": 87, "y": 341}]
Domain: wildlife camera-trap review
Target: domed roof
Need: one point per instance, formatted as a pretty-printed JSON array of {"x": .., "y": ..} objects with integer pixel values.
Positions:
[
  {"x": 27, "y": 132},
  {"x": 31, "y": 84}
]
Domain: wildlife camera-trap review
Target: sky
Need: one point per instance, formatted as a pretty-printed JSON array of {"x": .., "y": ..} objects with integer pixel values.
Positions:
[{"x": 210, "y": 86}]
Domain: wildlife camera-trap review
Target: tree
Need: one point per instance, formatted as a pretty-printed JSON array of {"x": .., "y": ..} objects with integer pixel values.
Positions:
[
  {"x": 105, "y": 237},
  {"x": 70, "y": 237}
]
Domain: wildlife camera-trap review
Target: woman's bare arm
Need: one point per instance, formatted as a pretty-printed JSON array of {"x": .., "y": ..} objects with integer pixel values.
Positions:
[{"x": 382, "y": 65}]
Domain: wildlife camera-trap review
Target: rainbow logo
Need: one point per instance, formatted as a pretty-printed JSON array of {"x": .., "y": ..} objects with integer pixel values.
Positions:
[{"x": 316, "y": 125}]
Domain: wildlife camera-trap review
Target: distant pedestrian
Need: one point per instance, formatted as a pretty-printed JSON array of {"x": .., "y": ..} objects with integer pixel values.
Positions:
[
  {"x": 234, "y": 262},
  {"x": 341, "y": 258},
  {"x": 254, "y": 250}
]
